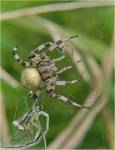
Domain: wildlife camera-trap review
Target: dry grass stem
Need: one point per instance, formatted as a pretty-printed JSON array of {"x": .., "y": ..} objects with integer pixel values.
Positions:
[
  {"x": 8, "y": 78},
  {"x": 108, "y": 65},
  {"x": 80, "y": 65},
  {"x": 53, "y": 8},
  {"x": 108, "y": 121},
  {"x": 96, "y": 71},
  {"x": 3, "y": 122}
]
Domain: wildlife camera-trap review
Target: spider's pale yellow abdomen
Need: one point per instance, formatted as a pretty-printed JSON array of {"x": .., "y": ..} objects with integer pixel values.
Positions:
[{"x": 30, "y": 78}]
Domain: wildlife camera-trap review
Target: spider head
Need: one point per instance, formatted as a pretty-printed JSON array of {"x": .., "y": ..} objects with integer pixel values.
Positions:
[{"x": 35, "y": 57}]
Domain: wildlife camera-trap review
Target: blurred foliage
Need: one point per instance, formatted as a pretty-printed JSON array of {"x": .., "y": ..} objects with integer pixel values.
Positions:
[{"x": 95, "y": 27}]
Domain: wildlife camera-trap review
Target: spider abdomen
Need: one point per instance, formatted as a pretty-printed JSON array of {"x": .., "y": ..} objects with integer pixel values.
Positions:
[{"x": 30, "y": 78}]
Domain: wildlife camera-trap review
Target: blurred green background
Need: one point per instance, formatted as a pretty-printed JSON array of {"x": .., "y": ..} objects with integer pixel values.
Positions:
[{"x": 95, "y": 29}]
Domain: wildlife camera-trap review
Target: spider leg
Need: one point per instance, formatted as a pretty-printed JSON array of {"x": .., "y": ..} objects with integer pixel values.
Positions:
[
  {"x": 66, "y": 39},
  {"x": 43, "y": 46},
  {"x": 50, "y": 46},
  {"x": 66, "y": 100},
  {"x": 64, "y": 69},
  {"x": 66, "y": 82},
  {"x": 58, "y": 59},
  {"x": 33, "y": 95},
  {"x": 59, "y": 42},
  {"x": 19, "y": 60}
]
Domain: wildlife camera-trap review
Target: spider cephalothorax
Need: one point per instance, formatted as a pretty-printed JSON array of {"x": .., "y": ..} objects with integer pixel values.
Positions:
[{"x": 42, "y": 69}]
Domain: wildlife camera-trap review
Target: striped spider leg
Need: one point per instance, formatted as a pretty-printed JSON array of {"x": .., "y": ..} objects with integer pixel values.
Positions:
[
  {"x": 50, "y": 46},
  {"x": 19, "y": 60},
  {"x": 51, "y": 92},
  {"x": 27, "y": 63},
  {"x": 58, "y": 44}
]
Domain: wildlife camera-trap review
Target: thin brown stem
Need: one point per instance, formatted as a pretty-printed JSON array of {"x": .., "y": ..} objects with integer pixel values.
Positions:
[
  {"x": 53, "y": 8},
  {"x": 8, "y": 78},
  {"x": 108, "y": 122},
  {"x": 3, "y": 122}
]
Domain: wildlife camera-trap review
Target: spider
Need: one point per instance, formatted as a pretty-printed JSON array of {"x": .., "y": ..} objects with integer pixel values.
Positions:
[{"x": 39, "y": 71}]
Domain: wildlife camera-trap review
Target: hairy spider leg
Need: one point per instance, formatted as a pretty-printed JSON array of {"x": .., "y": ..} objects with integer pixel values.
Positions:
[
  {"x": 50, "y": 46},
  {"x": 19, "y": 60},
  {"x": 66, "y": 39},
  {"x": 64, "y": 69},
  {"x": 66, "y": 100},
  {"x": 59, "y": 58},
  {"x": 66, "y": 82},
  {"x": 43, "y": 46},
  {"x": 59, "y": 42},
  {"x": 47, "y": 46},
  {"x": 50, "y": 91}
]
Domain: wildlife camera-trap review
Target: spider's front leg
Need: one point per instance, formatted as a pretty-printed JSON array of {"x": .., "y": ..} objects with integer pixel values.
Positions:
[
  {"x": 50, "y": 46},
  {"x": 19, "y": 60},
  {"x": 43, "y": 46},
  {"x": 58, "y": 43}
]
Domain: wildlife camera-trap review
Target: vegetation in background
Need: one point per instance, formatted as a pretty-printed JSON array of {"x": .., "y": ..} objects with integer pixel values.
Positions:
[{"x": 95, "y": 29}]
